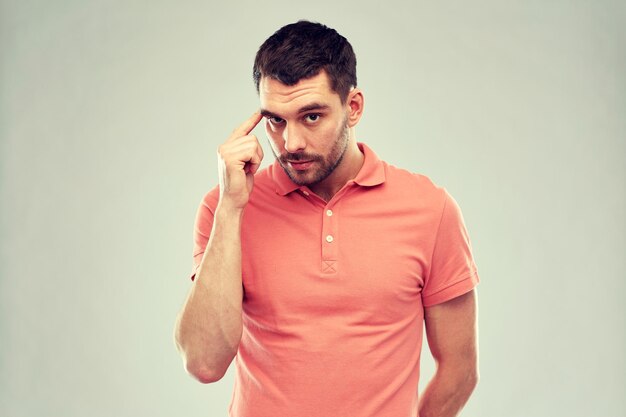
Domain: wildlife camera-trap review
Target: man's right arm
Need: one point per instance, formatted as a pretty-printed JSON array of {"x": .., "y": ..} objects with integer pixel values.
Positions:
[{"x": 209, "y": 325}]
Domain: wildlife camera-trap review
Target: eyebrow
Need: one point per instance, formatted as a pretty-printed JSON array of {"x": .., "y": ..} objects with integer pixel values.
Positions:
[{"x": 304, "y": 109}]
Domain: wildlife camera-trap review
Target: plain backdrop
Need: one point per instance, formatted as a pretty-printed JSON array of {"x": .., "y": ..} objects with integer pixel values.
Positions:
[{"x": 110, "y": 116}]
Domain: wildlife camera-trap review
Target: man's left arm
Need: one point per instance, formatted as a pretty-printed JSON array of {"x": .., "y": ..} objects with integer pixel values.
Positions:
[{"x": 452, "y": 334}]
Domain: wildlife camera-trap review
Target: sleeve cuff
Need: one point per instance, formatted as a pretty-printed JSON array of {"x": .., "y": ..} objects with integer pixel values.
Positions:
[{"x": 452, "y": 291}]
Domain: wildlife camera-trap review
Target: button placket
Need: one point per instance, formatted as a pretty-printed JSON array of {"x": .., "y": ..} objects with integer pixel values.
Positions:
[{"x": 329, "y": 242}]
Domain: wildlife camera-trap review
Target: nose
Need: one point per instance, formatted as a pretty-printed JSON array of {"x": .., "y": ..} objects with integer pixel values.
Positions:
[{"x": 294, "y": 142}]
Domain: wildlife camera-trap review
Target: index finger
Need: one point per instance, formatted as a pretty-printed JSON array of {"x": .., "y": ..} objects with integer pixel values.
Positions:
[{"x": 247, "y": 126}]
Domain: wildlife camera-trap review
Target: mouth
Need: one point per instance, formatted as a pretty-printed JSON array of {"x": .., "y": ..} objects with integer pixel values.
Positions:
[{"x": 300, "y": 165}]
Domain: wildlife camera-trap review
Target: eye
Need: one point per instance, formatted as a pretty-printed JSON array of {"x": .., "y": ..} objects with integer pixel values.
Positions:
[
  {"x": 312, "y": 118},
  {"x": 275, "y": 120}
]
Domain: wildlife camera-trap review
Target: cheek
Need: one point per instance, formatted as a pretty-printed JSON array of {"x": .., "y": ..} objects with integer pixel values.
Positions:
[{"x": 331, "y": 132}]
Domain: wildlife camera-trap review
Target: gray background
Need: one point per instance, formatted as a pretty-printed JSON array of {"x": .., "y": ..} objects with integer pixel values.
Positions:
[{"x": 110, "y": 117}]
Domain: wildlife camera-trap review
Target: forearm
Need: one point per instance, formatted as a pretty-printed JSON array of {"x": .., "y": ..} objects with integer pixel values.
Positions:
[
  {"x": 447, "y": 392},
  {"x": 209, "y": 326}
]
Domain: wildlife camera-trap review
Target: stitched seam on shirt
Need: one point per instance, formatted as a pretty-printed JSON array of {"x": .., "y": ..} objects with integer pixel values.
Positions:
[
  {"x": 329, "y": 266},
  {"x": 432, "y": 254},
  {"x": 461, "y": 279}
]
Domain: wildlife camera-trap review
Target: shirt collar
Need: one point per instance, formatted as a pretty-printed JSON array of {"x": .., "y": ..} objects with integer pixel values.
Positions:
[{"x": 371, "y": 173}]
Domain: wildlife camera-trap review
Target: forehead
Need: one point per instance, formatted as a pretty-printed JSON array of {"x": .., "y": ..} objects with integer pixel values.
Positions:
[{"x": 281, "y": 98}]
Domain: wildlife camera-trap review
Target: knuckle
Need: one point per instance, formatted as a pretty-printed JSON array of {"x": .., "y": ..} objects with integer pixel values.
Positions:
[{"x": 222, "y": 151}]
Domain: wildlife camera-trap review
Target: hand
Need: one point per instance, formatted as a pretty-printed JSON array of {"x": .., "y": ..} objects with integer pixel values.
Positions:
[{"x": 239, "y": 158}]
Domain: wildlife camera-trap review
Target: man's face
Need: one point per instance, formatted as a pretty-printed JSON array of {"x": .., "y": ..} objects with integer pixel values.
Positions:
[{"x": 307, "y": 126}]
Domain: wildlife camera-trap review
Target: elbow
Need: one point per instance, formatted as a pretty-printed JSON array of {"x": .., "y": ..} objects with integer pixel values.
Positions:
[
  {"x": 473, "y": 377},
  {"x": 206, "y": 362},
  {"x": 204, "y": 371},
  {"x": 204, "y": 374},
  {"x": 197, "y": 367}
]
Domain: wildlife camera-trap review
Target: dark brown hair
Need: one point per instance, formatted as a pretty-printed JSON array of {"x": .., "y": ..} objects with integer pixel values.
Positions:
[{"x": 301, "y": 50}]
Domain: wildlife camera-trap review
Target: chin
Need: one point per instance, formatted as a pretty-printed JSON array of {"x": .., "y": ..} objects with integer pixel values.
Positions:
[{"x": 301, "y": 178}]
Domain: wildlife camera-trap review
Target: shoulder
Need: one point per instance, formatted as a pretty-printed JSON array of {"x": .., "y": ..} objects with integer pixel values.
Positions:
[
  {"x": 420, "y": 190},
  {"x": 416, "y": 184}
]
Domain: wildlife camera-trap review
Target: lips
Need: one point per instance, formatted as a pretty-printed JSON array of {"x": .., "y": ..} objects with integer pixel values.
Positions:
[{"x": 300, "y": 165}]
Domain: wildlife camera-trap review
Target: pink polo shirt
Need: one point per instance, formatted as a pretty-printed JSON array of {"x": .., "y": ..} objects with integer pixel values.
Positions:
[{"x": 334, "y": 291}]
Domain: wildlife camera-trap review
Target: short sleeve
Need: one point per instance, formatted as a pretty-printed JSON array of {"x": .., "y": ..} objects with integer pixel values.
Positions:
[
  {"x": 202, "y": 228},
  {"x": 452, "y": 270}
]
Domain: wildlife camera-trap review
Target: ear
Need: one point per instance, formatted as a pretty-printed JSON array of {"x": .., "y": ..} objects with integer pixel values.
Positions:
[{"x": 355, "y": 103}]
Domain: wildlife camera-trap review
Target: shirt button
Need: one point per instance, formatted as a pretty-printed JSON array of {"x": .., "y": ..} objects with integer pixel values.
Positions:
[
  {"x": 329, "y": 238},
  {"x": 329, "y": 212},
  {"x": 305, "y": 192}
]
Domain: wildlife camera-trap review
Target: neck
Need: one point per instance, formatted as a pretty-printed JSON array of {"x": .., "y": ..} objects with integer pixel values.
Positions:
[{"x": 348, "y": 169}]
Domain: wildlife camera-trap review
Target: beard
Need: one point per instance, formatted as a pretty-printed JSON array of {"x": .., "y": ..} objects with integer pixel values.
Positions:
[{"x": 325, "y": 165}]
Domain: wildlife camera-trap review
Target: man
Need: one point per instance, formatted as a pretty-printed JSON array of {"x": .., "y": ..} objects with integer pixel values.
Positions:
[{"x": 317, "y": 272}]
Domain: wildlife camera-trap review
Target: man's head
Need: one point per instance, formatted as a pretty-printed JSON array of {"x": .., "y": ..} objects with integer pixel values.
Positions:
[
  {"x": 301, "y": 50},
  {"x": 306, "y": 78}
]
